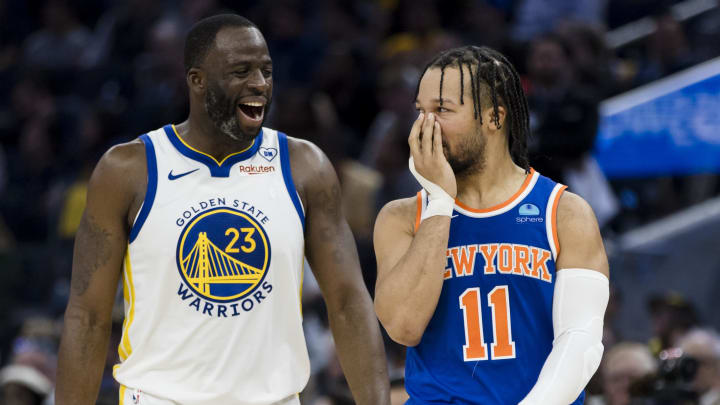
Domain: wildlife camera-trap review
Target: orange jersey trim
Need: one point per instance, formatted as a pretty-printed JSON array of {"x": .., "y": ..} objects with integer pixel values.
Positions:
[
  {"x": 509, "y": 201},
  {"x": 553, "y": 220}
]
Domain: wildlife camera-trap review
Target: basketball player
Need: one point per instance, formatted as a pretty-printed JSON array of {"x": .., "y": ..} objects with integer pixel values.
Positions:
[
  {"x": 493, "y": 276},
  {"x": 208, "y": 222}
]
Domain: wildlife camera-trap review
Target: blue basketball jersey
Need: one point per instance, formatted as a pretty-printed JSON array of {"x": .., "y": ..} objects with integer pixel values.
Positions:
[{"x": 492, "y": 328}]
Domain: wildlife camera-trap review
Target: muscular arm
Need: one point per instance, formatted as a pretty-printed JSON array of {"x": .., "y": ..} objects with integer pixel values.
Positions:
[
  {"x": 579, "y": 302},
  {"x": 581, "y": 245},
  {"x": 332, "y": 254},
  {"x": 100, "y": 245},
  {"x": 410, "y": 269}
]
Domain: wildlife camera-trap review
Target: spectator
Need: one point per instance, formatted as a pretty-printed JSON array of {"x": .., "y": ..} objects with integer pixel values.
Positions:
[
  {"x": 590, "y": 57},
  {"x": 23, "y": 385},
  {"x": 538, "y": 17},
  {"x": 563, "y": 115},
  {"x": 564, "y": 121},
  {"x": 667, "y": 50},
  {"x": 672, "y": 316},
  {"x": 623, "y": 365},
  {"x": 61, "y": 41},
  {"x": 703, "y": 345}
]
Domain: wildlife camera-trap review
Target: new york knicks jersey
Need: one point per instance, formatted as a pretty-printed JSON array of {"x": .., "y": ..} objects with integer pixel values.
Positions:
[
  {"x": 492, "y": 328},
  {"x": 212, "y": 277}
]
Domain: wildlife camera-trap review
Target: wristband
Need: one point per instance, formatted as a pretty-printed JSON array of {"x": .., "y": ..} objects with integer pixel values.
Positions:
[{"x": 439, "y": 201}]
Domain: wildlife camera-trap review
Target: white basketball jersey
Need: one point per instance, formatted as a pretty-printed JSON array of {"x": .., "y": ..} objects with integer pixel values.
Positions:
[{"x": 213, "y": 277}]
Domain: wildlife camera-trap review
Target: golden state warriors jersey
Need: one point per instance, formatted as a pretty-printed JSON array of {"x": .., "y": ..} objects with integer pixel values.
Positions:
[{"x": 213, "y": 276}]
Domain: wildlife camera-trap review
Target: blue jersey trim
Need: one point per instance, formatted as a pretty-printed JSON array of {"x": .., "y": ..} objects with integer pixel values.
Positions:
[
  {"x": 287, "y": 176},
  {"x": 217, "y": 169},
  {"x": 151, "y": 187}
]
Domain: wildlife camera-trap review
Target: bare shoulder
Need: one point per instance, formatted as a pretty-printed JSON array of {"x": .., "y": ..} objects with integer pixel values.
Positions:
[
  {"x": 398, "y": 215},
  {"x": 312, "y": 172},
  {"x": 307, "y": 159},
  {"x": 120, "y": 178},
  {"x": 574, "y": 211},
  {"x": 121, "y": 160},
  {"x": 581, "y": 244},
  {"x": 404, "y": 209}
]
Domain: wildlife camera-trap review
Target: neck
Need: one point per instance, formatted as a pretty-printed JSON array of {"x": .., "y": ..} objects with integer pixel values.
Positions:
[
  {"x": 499, "y": 179},
  {"x": 199, "y": 132}
]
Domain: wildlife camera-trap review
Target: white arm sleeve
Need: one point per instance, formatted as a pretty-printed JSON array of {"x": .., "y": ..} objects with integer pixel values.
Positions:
[{"x": 579, "y": 301}]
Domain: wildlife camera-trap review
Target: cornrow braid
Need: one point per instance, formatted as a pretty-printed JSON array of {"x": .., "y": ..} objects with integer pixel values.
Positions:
[
  {"x": 462, "y": 88},
  {"x": 442, "y": 76},
  {"x": 501, "y": 86}
]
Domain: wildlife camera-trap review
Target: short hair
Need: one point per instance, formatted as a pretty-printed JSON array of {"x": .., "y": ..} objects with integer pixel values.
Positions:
[
  {"x": 636, "y": 354},
  {"x": 493, "y": 80},
  {"x": 201, "y": 36},
  {"x": 706, "y": 338}
]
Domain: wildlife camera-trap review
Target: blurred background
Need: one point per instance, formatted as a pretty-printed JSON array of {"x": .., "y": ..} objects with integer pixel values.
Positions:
[{"x": 625, "y": 108}]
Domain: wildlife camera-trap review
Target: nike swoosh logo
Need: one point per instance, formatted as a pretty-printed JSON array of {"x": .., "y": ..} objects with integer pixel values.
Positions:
[
  {"x": 172, "y": 176},
  {"x": 453, "y": 216}
]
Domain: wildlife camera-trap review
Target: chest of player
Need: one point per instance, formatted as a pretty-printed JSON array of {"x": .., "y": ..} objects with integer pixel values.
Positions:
[
  {"x": 503, "y": 247},
  {"x": 221, "y": 238}
]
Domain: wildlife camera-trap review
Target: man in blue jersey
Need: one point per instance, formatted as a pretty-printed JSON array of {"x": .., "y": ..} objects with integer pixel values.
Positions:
[
  {"x": 226, "y": 210},
  {"x": 495, "y": 279}
]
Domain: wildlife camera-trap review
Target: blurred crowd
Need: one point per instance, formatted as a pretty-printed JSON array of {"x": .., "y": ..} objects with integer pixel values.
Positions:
[{"x": 77, "y": 76}]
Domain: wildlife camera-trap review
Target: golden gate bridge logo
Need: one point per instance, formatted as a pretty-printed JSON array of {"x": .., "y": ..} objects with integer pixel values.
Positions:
[{"x": 223, "y": 254}]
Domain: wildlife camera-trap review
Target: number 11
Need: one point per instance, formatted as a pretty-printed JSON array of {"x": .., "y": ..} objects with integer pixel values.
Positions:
[{"x": 475, "y": 348}]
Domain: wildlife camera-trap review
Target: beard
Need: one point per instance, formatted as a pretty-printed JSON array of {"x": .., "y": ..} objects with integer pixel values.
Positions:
[
  {"x": 222, "y": 111},
  {"x": 468, "y": 157}
]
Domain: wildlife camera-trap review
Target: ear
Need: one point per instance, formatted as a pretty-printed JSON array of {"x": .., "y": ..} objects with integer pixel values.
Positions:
[
  {"x": 489, "y": 118},
  {"x": 196, "y": 80}
]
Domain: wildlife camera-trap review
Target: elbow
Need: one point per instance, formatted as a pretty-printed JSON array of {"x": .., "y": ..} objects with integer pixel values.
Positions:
[
  {"x": 85, "y": 317},
  {"x": 401, "y": 329},
  {"x": 405, "y": 337}
]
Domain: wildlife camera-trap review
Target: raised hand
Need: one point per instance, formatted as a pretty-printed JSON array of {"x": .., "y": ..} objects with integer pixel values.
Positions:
[{"x": 425, "y": 142}]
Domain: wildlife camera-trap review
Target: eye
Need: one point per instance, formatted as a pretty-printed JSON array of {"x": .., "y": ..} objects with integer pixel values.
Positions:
[
  {"x": 267, "y": 72},
  {"x": 442, "y": 109},
  {"x": 240, "y": 72}
]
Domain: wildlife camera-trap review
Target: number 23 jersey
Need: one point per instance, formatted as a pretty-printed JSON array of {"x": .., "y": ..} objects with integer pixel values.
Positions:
[
  {"x": 492, "y": 328},
  {"x": 212, "y": 276}
]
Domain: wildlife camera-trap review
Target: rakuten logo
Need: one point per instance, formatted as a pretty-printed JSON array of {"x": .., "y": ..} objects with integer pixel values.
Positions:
[{"x": 252, "y": 169}]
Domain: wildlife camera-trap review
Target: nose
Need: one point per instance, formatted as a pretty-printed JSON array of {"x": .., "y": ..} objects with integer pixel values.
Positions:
[{"x": 258, "y": 81}]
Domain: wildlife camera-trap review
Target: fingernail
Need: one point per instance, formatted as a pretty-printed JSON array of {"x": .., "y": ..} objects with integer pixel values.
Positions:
[
  {"x": 420, "y": 116},
  {"x": 430, "y": 116}
]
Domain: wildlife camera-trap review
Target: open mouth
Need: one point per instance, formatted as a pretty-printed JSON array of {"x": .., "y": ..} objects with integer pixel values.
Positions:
[{"x": 252, "y": 111}]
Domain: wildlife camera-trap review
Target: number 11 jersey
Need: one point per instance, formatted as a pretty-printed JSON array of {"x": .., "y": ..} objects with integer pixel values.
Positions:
[{"x": 492, "y": 328}]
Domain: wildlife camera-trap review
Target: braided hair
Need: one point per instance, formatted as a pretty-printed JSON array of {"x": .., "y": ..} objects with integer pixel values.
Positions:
[{"x": 494, "y": 80}]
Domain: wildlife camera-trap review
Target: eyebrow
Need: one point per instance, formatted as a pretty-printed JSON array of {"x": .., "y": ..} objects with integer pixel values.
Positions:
[
  {"x": 242, "y": 61},
  {"x": 437, "y": 101}
]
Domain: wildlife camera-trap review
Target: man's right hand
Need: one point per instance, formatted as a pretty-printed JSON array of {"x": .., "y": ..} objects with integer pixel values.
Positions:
[{"x": 426, "y": 149}]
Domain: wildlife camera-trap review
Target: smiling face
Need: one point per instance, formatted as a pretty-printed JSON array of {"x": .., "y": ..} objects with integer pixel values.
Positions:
[
  {"x": 238, "y": 73},
  {"x": 463, "y": 140}
]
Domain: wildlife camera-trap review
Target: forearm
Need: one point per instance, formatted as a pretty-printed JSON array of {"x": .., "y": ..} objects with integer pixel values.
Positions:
[
  {"x": 406, "y": 297},
  {"x": 579, "y": 303},
  {"x": 360, "y": 349},
  {"x": 81, "y": 359}
]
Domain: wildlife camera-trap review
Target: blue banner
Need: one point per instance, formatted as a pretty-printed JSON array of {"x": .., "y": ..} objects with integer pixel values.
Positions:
[{"x": 670, "y": 127}]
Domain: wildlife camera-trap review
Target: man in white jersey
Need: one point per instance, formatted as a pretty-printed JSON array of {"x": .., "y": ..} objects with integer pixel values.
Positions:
[
  {"x": 208, "y": 222},
  {"x": 495, "y": 279}
]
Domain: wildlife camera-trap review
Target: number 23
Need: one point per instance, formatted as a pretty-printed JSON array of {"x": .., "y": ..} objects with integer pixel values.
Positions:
[{"x": 249, "y": 232}]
